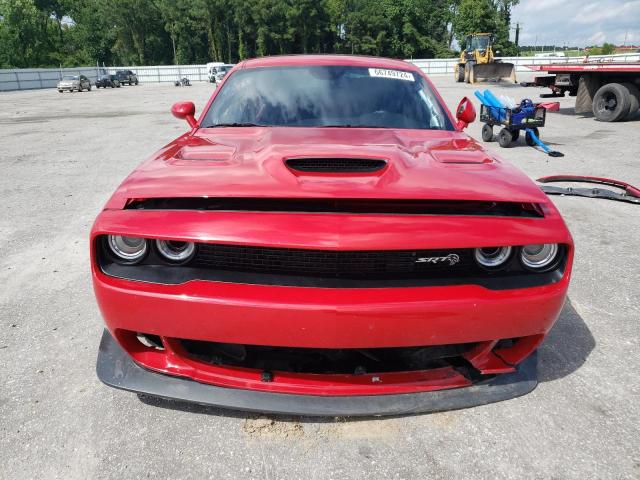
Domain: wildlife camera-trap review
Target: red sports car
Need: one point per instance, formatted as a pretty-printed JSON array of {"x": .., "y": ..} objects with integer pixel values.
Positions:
[{"x": 326, "y": 240}]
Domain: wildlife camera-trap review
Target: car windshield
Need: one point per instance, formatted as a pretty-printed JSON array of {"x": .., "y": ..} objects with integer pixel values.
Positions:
[
  {"x": 327, "y": 96},
  {"x": 113, "y": 77},
  {"x": 70, "y": 78}
]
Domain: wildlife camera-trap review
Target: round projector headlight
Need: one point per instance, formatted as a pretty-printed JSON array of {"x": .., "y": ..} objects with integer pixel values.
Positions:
[
  {"x": 176, "y": 252},
  {"x": 492, "y": 257},
  {"x": 129, "y": 249},
  {"x": 538, "y": 257}
]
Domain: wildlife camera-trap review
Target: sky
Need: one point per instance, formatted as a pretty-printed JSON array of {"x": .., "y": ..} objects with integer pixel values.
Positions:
[{"x": 577, "y": 22}]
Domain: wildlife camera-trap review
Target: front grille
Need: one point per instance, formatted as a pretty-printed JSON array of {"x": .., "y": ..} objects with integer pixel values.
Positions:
[
  {"x": 336, "y": 165},
  {"x": 375, "y": 264}
]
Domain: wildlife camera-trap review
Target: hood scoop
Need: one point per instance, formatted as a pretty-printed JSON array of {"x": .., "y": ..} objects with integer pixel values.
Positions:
[{"x": 335, "y": 165}]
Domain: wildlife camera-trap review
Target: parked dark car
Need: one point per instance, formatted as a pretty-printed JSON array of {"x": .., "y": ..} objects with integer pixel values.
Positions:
[
  {"x": 105, "y": 81},
  {"x": 74, "y": 82},
  {"x": 127, "y": 77}
]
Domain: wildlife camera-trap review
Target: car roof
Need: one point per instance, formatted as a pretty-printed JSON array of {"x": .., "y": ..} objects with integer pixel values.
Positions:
[{"x": 344, "y": 60}]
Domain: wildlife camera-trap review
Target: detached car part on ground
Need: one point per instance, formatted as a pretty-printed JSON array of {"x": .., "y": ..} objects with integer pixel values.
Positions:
[
  {"x": 628, "y": 193},
  {"x": 356, "y": 255},
  {"x": 74, "y": 82}
]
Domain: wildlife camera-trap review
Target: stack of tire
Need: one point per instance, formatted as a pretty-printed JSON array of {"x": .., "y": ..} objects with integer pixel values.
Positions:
[{"x": 614, "y": 102}]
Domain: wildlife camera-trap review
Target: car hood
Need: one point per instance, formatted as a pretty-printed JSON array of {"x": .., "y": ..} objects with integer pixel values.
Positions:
[{"x": 250, "y": 162}]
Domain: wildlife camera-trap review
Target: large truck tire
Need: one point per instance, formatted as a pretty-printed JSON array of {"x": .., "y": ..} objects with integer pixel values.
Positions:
[
  {"x": 459, "y": 72},
  {"x": 588, "y": 85},
  {"x": 634, "y": 93},
  {"x": 468, "y": 72},
  {"x": 611, "y": 102}
]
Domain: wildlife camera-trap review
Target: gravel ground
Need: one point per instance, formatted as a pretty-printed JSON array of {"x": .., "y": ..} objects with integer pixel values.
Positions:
[{"x": 63, "y": 155}]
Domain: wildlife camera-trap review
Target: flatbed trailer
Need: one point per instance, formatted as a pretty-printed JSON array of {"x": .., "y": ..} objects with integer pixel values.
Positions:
[{"x": 610, "y": 90}]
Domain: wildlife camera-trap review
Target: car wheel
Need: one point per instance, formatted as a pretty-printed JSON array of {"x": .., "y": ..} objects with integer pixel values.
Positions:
[
  {"x": 136, "y": 82},
  {"x": 529, "y": 139},
  {"x": 611, "y": 102},
  {"x": 60, "y": 91},
  {"x": 89, "y": 88},
  {"x": 504, "y": 138},
  {"x": 487, "y": 133},
  {"x": 515, "y": 135}
]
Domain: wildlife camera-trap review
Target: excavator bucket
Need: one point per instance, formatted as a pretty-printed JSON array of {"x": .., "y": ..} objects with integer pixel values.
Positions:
[{"x": 490, "y": 71}]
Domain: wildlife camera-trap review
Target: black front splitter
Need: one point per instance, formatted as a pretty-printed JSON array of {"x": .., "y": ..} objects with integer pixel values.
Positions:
[{"x": 116, "y": 369}]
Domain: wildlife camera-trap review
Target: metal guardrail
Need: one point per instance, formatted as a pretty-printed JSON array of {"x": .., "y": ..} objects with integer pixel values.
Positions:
[{"x": 34, "y": 78}]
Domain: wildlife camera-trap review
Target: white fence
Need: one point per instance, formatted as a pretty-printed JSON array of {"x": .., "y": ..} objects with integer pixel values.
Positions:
[{"x": 32, "y": 78}]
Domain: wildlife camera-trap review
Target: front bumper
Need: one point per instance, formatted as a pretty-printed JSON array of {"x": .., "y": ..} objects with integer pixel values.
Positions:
[{"x": 116, "y": 369}]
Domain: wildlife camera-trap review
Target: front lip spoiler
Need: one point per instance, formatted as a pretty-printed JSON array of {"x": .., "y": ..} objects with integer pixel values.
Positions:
[{"x": 116, "y": 369}]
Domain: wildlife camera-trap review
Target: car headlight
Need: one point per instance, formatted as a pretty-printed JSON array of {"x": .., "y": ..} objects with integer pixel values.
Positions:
[
  {"x": 539, "y": 257},
  {"x": 175, "y": 251},
  {"x": 492, "y": 257},
  {"x": 128, "y": 249}
]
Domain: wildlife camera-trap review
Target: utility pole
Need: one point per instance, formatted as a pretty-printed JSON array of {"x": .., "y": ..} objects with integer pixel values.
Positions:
[{"x": 517, "y": 42}]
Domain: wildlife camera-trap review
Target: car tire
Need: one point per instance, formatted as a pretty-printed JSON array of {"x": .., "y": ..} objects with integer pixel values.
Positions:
[
  {"x": 89, "y": 88},
  {"x": 611, "y": 103},
  {"x": 529, "y": 139},
  {"x": 60, "y": 91},
  {"x": 504, "y": 138},
  {"x": 634, "y": 94},
  {"x": 487, "y": 133},
  {"x": 136, "y": 82}
]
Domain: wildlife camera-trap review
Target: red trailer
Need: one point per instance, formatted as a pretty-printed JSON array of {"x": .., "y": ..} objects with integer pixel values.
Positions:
[{"x": 610, "y": 90}]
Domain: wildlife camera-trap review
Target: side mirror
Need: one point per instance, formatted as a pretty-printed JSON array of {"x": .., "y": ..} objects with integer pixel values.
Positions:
[
  {"x": 185, "y": 110},
  {"x": 465, "y": 113}
]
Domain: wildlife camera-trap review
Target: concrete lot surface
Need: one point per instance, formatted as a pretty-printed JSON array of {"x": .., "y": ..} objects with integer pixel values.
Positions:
[{"x": 62, "y": 155}]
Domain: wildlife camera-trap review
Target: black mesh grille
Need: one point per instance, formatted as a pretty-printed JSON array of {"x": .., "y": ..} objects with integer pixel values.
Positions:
[
  {"x": 338, "y": 264},
  {"x": 336, "y": 165}
]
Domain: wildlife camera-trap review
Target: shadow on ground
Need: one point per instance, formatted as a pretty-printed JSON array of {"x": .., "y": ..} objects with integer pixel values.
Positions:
[
  {"x": 566, "y": 347},
  {"x": 564, "y": 351}
]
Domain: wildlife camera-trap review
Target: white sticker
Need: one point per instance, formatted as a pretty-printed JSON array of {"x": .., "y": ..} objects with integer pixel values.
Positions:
[{"x": 397, "y": 74}]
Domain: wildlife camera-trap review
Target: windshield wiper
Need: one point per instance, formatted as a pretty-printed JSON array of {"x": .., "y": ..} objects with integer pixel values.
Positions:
[{"x": 236, "y": 124}]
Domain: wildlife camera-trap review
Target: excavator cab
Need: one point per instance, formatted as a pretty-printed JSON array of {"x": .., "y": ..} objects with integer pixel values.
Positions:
[{"x": 477, "y": 61}]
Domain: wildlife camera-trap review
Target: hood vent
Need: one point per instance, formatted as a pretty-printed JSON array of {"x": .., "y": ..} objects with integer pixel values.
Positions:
[{"x": 335, "y": 165}]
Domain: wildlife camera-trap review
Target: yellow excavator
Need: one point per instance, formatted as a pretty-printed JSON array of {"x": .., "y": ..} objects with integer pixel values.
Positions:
[{"x": 477, "y": 62}]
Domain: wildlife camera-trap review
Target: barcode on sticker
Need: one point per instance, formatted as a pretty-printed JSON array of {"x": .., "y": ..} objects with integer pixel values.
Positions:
[{"x": 397, "y": 74}]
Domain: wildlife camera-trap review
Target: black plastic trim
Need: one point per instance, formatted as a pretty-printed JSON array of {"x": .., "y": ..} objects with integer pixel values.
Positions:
[
  {"x": 168, "y": 275},
  {"x": 342, "y": 205},
  {"x": 116, "y": 369}
]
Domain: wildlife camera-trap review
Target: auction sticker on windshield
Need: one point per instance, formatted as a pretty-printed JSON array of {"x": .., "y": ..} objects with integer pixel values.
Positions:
[{"x": 397, "y": 74}]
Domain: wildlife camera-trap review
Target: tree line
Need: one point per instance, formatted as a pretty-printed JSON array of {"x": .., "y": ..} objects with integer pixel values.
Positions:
[{"x": 52, "y": 33}]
